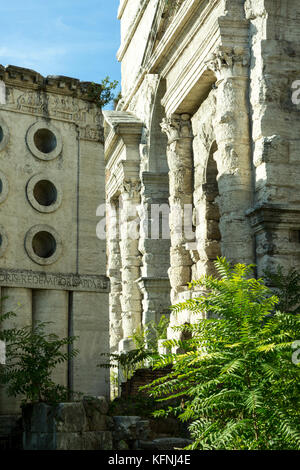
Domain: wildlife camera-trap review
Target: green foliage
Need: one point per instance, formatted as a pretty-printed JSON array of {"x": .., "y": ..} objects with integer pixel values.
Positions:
[
  {"x": 145, "y": 352},
  {"x": 133, "y": 406},
  {"x": 31, "y": 356},
  {"x": 129, "y": 361},
  {"x": 286, "y": 287},
  {"x": 236, "y": 385},
  {"x": 102, "y": 93}
]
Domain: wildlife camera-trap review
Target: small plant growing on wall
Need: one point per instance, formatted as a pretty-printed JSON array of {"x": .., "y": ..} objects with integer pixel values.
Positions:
[
  {"x": 102, "y": 93},
  {"x": 32, "y": 354}
]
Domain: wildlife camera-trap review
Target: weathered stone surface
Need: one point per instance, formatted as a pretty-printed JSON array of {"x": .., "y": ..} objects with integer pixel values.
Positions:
[
  {"x": 52, "y": 179},
  {"x": 130, "y": 428},
  {"x": 70, "y": 417},
  {"x": 68, "y": 426},
  {"x": 39, "y": 418},
  {"x": 219, "y": 118},
  {"x": 95, "y": 411},
  {"x": 164, "y": 443}
]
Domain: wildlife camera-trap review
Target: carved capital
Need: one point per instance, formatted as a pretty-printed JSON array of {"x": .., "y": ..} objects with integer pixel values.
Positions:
[
  {"x": 225, "y": 58},
  {"x": 177, "y": 126},
  {"x": 131, "y": 188}
]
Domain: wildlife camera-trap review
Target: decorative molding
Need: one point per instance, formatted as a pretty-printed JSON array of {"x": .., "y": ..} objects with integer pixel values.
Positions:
[
  {"x": 25, "y": 78},
  {"x": 122, "y": 6},
  {"x": 132, "y": 29},
  {"x": 41, "y": 125},
  {"x": 56, "y": 281},
  {"x": 123, "y": 125},
  {"x": 225, "y": 57},
  {"x": 131, "y": 188},
  {"x": 273, "y": 217},
  {"x": 30, "y": 193},
  {"x": 29, "y": 248},
  {"x": 177, "y": 127}
]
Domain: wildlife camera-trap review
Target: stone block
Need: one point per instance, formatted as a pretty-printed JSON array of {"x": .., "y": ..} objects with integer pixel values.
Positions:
[
  {"x": 129, "y": 427},
  {"x": 95, "y": 411},
  {"x": 100, "y": 440},
  {"x": 70, "y": 441},
  {"x": 38, "y": 418},
  {"x": 70, "y": 418}
]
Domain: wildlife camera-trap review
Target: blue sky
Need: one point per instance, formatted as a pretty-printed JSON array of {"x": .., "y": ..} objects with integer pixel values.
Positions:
[{"x": 76, "y": 38}]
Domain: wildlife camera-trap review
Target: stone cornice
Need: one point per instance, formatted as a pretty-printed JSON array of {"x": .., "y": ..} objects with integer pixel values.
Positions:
[
  {"x": 186, "y": 11},
  {"x": 124, "y": 178},
  {"x": 154, "y": 178},
  {"x": 26, "y": 78},
  {"x": 273, "y": 217},
  {"x": 122, "y": 6},
  {"x": 159, "y": 283},
  {"x": 125, "y": 126},
  {"x": 133, "y": 27}
]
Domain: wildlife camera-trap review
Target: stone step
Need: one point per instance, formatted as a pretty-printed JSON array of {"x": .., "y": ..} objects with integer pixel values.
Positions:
[{"x": 164, "y": 443}]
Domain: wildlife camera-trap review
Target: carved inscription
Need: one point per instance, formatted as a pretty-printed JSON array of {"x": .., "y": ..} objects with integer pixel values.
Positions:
[{"x": 37, "y": 280}]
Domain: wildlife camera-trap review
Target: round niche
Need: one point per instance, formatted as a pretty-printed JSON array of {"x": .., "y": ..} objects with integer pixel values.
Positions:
[
  {"x": 3, "y": 241},
  {"x": 43, "y": 193},
  {"x": 43, "y": 244},
  {"x": 4, "y": 187},
  {"x": 4, "y": 135},
  {"x": 44, "y": 141}
]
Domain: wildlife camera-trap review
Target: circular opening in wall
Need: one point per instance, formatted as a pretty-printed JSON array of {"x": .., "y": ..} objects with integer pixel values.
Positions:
[
  {"x": 44, "y": 244},
  {"x": 45, "y": 193},
  {"x": 1, "y": 134},
  {"x": 45, "y": 141}
]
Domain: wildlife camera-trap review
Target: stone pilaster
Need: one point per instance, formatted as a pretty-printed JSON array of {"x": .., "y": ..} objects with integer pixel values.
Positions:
[
  {"x": 130, "y": 259},
  {"x": 114, "y": 273},
  {"x": 180, "y": 161},
  {"x": 234, "y": 151}
]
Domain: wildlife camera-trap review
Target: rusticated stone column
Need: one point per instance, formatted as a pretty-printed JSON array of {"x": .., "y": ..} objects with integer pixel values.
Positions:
[
  {"x": 130, "y": 260},
  {"x": 234, "y": 151},
  {"x": 180, "y": 160},
  {"x": 114, "y": 273}
]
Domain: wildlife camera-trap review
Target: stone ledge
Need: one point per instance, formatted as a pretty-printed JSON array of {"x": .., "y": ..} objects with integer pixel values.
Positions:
[
  {"x": 49, "y": 280},
  {"x": 27, "y": 78}
]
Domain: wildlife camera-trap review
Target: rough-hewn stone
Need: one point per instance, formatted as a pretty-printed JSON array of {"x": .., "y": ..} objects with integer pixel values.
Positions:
[{"x": 67, "y": 426}]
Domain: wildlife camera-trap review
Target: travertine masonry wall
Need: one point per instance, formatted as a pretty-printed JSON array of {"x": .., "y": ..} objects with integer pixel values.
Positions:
[{"x": 52, "y": 265}]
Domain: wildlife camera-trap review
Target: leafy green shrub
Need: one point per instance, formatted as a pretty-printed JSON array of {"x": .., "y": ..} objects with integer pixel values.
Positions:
[
  {"x": 133, "y": 406},
  {"x": 31, "y": 356},
  {"x": 236, "y": 384},
  {"x": 286, "y": 287},
  {"x": 145, "y": 352}
]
